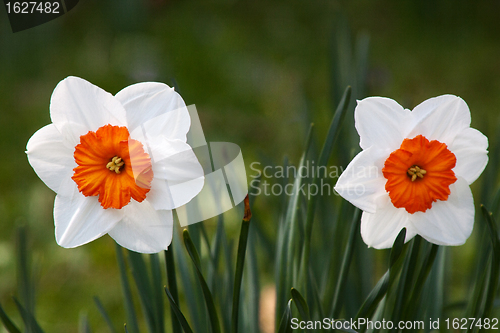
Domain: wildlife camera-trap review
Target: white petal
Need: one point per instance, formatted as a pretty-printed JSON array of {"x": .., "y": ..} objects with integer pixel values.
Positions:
[
  {"x": 448, "y": 222},
  {"x": 380, "y": 229},
  {"x": 379, "y": 122},
  {"x": 178, "y": 175},
  {"x": 362, "y": 181},
  {"x": 144, "y": 229},
  {"x": 470, "y": 148},
  {"x": 158, "y": 108},
  {"x": 49, "y": 157},
  {"x": 440, "y": 118},
  {"x": 79, "y": 219},
  {"x": 77, "y": 106}
]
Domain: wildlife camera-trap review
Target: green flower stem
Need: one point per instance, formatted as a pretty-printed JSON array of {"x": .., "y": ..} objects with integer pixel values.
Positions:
[{"x": 240, "y": 261}]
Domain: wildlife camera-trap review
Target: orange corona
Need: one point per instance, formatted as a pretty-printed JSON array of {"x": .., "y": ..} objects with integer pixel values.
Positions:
[
  {"x": 419, "y": 173},
  {"x": 112, "y": 166}
]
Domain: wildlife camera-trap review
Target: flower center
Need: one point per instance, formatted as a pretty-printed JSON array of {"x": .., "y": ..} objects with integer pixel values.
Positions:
[
  {"x": 415, "y": 171},
  {"x": 115, "y": 164},
  {"x": 112, "y": 166},
  {"x": 419, "y": 173}
]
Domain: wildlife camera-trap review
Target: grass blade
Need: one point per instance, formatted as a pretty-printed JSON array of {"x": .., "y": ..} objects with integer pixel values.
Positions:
[
  {"x": 405, "y": 282},
  {"x": 172, "y": 286},
  {"x": 127, "y": 293},
  {"x": 25, "y": 283},
  {"x": 252, "y": 290},
  {"x": 209, "y": 301},
  {"x": 413, "y": 304},
  {"x": 301, "y": 304},
  {"x": 178, "y": 314},
  {"x": 28, "y": 319},
  {"x": 287, "y": 235},
  {"x": 84, "y": 325},
  {"x": 192, "y": 290},
  {"x": 104, "y": 314},
  {"x": 143, "y": 284},
  {"x": 495, "y": 263},
  {"x": 346, "y": 261},
  {"x": 377, "y": 293},
  {"x": 7, "y": 323},
  {"x": 286, "y": 320},
  {"x": 333, "y": 133},
  {"x": 157, "y": 293},
  {"x": 240, "y": 261}
]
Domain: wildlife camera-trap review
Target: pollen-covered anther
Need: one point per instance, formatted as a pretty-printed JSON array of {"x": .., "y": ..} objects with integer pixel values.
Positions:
[
  {"x": 115, "y": 164},
  {"x": 415, "y": 171}
]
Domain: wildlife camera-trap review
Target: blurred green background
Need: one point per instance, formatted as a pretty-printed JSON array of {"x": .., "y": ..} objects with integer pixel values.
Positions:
[{"x": 258, "y": 71}]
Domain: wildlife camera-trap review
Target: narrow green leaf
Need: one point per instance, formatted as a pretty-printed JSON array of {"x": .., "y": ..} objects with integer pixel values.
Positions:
[
  {"x": 380, "y": 289},
  {"x": 28, "y": 318},
  {"x": 495, "y": 240},
  {"x": 157, "y": 293},
  {"x": 344, "y": 270},
  {"x": 316, "y": 296},
  {"x": 240, "y": 262},
  {"x": 178, "y": 314},
  {"x": 375, "y": 296},
  {"x": 397, "y": 247},
  {"x": 252, "y": 290},
  {"x": 212, "y": 263},
  {"x": 144, "y": 288},
  {"x": 84, "y": 326},
  {"x": 301, "y": 304},
  {"x": 127, "y": 294},
  {"x": 212, "y": 312},
  {"x": 25, "y": 283},
  {"x": 333, "y": 131},
  {"x": 286, "y": 320},
  {"x": 172, "y": 286},
  {"x": 495, "y": 263},
  {"x": 405, "y": 281},
  {"x": 288, "y": 236},
  {"x": 474, "y": 304},
  {"x": 412, "y": 305},
  {"x": 104, "y": 314},
  {"x": 7, "y": 323},
  {"x": 226, "y": 276},
  {"x": 191, "y": 290},
  {"x": 324, "y": 156}
]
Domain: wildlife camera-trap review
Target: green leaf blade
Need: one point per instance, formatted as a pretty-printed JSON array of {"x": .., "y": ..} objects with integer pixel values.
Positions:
[{"x": 209, "y": 301}]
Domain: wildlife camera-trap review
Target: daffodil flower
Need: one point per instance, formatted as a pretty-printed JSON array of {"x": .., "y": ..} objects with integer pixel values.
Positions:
[
  {"x": 119, "y": 164},
  {"x": 414, "y": 170}
]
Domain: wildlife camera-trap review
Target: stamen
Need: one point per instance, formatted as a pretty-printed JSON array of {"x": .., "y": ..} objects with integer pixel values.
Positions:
[
  {"x": 115, "y": 164},
  {"x": 416, "y": 172}
]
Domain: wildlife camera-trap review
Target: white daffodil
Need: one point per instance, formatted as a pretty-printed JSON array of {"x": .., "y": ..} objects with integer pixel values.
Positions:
[
  {"x": 119, "y": 164},
  {"x": 414, "y": 170}
]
